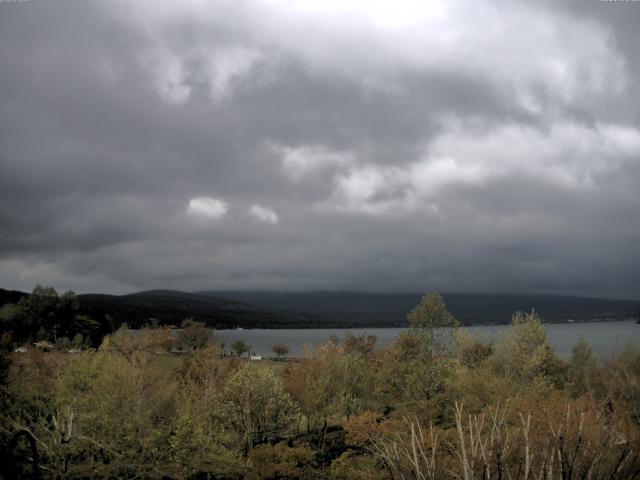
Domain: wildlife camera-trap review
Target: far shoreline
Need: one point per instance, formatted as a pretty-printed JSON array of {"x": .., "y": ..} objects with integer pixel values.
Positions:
[{"x": 361, "y": 327}]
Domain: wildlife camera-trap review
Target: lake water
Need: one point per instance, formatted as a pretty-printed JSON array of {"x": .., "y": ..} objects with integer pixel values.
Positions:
[{"x": 606, "y": 338}]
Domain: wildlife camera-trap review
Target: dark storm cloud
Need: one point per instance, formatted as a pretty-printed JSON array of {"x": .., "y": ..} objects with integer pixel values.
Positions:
[{"x": 203, "y": 145}]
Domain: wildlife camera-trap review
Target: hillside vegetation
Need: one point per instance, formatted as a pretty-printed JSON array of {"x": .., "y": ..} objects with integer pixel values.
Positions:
[
  {"x": 223, "y": 310},
  {"x": 434, "y": 404},
  {"x": 386, "y": 310}
]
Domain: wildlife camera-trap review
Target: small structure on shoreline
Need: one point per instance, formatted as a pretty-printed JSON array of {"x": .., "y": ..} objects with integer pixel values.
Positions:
[{"x": 43, "y": 345}]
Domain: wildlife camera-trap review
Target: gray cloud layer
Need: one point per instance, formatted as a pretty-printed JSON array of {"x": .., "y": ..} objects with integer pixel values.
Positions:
[{"x": 388, "y": 146}]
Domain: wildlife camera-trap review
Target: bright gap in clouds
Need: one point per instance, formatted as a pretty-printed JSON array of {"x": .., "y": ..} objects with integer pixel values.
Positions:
[
  {"x": 384, "y": 13},
  {"x": 207, "y": 207},
  {"x": 264, "y": 214}
]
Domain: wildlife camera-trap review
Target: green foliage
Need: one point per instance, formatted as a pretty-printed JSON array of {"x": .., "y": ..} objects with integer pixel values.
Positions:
[
  {"x": 126, "y": 408},
  {"x": 478, "y": 387},
  {"x": 360, "y": 344},
  {"x": 240, "y": 347},
  {"x": 524, "y": 353},
  {"x": 582, "y": 368},
  {"x": 258, "y": 406},
  {"x": 79, "y": 341},
  {"x": 431, "y": 313},
  {"x": 411, "y": 409},
  {"x": 200, "y": 441},
  {"x": 353, "y": 380},
  {"x": 45, "y": 315},
  {"x": 194, "y": 335},
  {"x": 332, "y": 384},
  {"x": 630, "y": 357},
  {"x": 410, "y": 375},
  {"x": 135, "y": 344},
  {"x": 85, "y": 326},
  {"x": 471, "y": 351},
  {"x": 9, "y": 315},
  {"x": 622, "y": 381}
]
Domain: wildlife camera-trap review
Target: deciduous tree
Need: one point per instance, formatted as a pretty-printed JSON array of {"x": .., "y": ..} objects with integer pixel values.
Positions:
[
  {"x": 240, "y": 347},
  {"x": 280, "y": 349},
  {"x": 258, "y": 406}
]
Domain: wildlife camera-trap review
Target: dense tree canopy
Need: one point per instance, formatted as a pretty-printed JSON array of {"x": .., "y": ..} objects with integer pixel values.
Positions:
[{"x": 46, "y": 315}]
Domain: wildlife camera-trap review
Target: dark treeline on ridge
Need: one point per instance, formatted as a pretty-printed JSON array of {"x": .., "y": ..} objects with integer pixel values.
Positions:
[
  {"x": 366, "y": 309},
  {"x": 223, "y": 310}
]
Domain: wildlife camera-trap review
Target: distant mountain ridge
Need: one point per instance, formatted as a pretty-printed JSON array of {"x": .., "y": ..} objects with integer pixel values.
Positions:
[
  {"x": 171, "y": 307},
  {"x": 374, "y": 309},
  {"x": 325, "y": 309},
  {"x": 11, "y": 296}
]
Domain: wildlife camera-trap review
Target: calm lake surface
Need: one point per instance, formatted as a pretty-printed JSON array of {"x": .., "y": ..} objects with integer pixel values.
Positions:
[{"x": 606, "y": 338}]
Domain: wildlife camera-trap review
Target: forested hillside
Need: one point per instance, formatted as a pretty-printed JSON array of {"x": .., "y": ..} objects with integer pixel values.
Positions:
[
  {"x": 170, "y": 307},
  {"x": 222, "y": 310},
  {"x": 374, "y": 309}
]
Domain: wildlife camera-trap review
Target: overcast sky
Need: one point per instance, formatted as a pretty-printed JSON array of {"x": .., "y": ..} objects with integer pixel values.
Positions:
[{"x": 392, "y": 146}]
